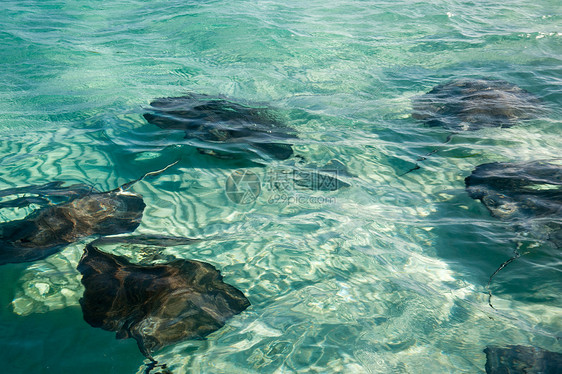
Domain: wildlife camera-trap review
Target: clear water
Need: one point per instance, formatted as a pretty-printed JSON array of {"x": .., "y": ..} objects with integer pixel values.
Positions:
[{"x": 386, "y": 276}]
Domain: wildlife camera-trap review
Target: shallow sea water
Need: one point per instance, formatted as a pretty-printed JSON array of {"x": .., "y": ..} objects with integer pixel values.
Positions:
[{"x": 388, "y": 275}]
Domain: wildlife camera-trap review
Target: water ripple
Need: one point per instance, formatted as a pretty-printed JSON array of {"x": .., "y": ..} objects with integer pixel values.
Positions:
[{"x": 388, "y": 275}]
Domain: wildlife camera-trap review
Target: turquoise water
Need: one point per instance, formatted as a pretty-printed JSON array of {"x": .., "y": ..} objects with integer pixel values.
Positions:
[{"x": 388, "y": 275}]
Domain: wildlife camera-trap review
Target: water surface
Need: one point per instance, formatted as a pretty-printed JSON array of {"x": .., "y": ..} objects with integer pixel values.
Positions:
[{"x": 388, "y": 275}]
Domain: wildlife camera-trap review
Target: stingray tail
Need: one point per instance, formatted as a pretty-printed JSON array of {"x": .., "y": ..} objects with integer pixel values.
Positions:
[
  {"x": 128, "y": 185},
  {"x": 515, "y": 256},
  {"x": 153, "y": 364},
  {"x": 423, "y": 158}
]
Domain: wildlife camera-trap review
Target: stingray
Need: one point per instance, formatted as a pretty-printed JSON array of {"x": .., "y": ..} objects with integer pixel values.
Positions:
[
  {"x": 78, "y": 211},
  {"x": 224, "y": 127},
  {"x": 518, "y": 359},
  {"x": 473, "y": 104},
  {"x": 157, "y": 305},
  {"x": 518, "y": 191},
  {"x": 521, "y": 193}
]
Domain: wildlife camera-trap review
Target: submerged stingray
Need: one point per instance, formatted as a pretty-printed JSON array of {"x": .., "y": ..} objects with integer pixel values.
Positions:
[
  {"x": 81, "y": 211},
  {"x": 515, "y": 359},
  {"x": 525, "y": 193},
  {"x": 518, "y": 191},
  {"x": 472, "y": 104},
  {"x": 157, "y": 305},
  {"x": 226, "y": 127}
]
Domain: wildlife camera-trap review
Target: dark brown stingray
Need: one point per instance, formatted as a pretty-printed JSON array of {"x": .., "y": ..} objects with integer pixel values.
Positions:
[
  {"x": 157, "y": 305},
  {"x": 472, "y": 104},
  {"x": 518, "y": 191},
  {"x": 51, "y": 228},
  {"x": 528, "y": 194},
  {"x": 519, "y": 359},
  {"x": 78, "y": 211},
  {"x": 224, "y": 127}
]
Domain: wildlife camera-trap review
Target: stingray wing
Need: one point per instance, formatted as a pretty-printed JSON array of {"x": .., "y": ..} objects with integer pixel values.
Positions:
[
  {"x": 215, "y": 119},
  {"x": 157, "y": 305},
  {"x": 46, "y": 194},
  {"x": 522, "y": 359},
  {"x": 472, "y": 104},
  {"x": 518, "y": 190}
]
